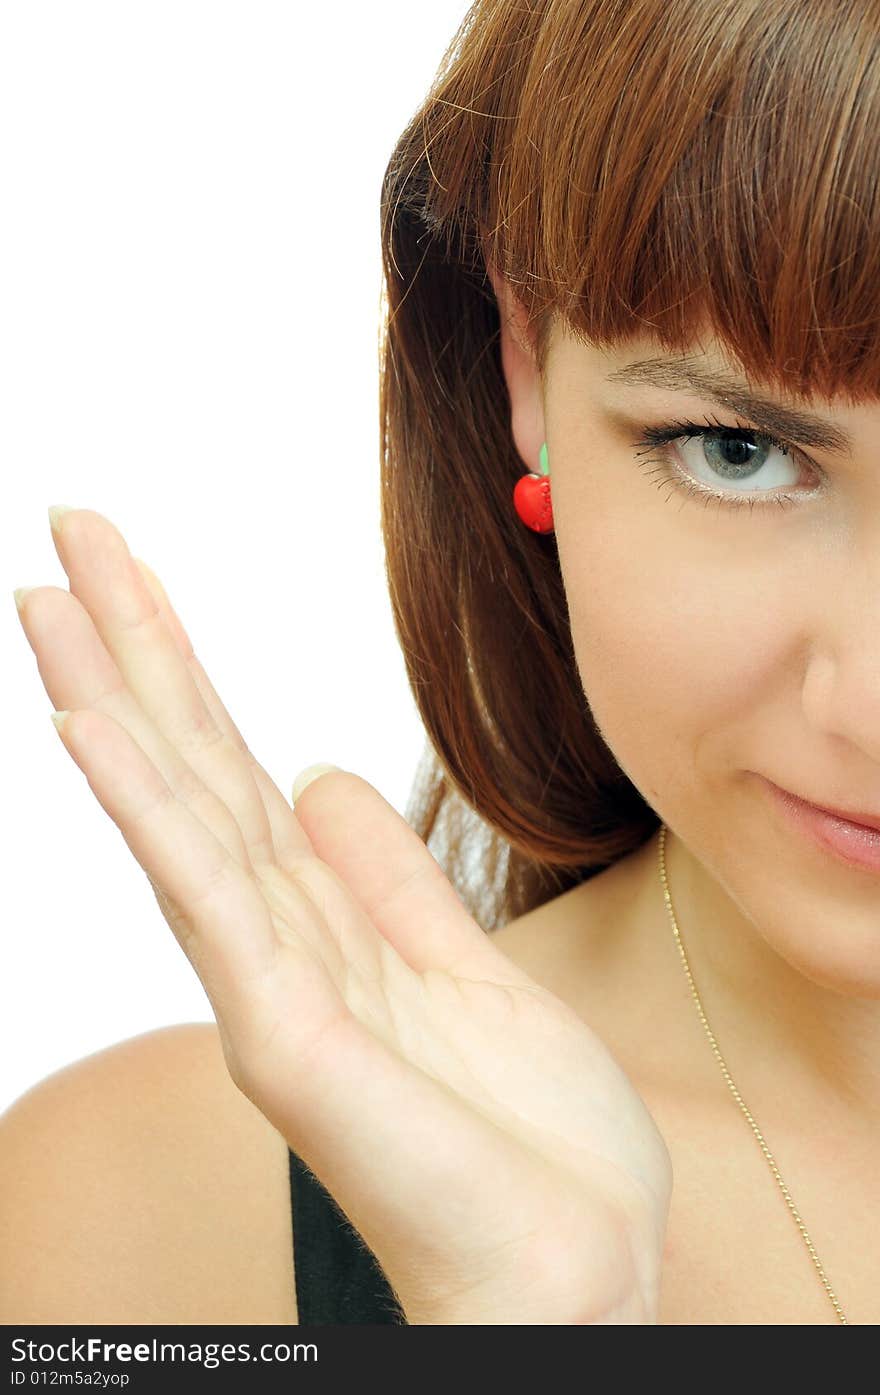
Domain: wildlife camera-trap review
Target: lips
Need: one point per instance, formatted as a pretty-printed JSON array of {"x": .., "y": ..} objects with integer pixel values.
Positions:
[
  {"x": 853, "y": 837},
  {"x": 848, "y": 815}
]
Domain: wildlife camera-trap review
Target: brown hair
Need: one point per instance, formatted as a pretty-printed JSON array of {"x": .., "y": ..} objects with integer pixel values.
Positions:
[{"x": 634, "y": 167}]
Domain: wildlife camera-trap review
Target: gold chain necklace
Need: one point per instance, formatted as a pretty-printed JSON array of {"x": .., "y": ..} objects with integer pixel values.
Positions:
[{"x": 736, "y": 1094}]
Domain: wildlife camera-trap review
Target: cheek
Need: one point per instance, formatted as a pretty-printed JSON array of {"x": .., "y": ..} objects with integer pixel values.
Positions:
[
  {"x": 692, "y": 634},
  {"x": 678, "y": 644}
]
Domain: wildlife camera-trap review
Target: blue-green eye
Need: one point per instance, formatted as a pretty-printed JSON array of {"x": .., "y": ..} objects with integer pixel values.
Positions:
[{"x": 731, "y": 456}]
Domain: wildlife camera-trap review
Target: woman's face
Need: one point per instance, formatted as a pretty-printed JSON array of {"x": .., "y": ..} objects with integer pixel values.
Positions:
[{"x": 722, "y": 642}]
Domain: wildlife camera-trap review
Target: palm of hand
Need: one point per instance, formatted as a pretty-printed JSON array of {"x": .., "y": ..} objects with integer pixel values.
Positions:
[{"x": 485, "y": 1099}]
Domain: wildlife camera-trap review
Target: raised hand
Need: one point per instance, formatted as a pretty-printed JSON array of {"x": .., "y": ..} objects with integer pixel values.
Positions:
[{"x": 477, "y": 1133}]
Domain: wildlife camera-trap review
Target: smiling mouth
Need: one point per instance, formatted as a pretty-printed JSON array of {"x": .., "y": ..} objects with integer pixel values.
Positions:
[
  {"x": 863, "y": 820},
  {"x": 854, "y": 838}
]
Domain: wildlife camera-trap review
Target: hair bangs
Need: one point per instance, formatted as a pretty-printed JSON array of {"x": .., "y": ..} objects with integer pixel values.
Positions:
[{"x": 681, "y": 169}]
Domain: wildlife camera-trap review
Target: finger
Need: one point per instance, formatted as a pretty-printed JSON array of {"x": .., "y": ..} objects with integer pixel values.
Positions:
[
  {"x": 355, "y": 937},
  {"x": 397, "y": 880},
  {"x": 105, "y": 579},
  {"x": 288, "y": 835},
  {"x": 78, "y": 673},
  {"x": 235, "y": 923},
  {"x": 226, "y": 929},
  {"x": 379, "y": 858}
]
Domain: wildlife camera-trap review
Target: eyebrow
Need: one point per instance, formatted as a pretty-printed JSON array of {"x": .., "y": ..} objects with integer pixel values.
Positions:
[{"x": 687, "y": 374}]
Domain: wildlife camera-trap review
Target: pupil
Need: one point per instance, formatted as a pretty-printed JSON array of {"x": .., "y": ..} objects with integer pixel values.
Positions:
[{"x": 738, "y": 454}]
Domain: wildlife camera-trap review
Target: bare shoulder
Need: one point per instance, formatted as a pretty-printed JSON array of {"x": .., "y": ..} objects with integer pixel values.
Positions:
[{"x": 139, "y": 1185}]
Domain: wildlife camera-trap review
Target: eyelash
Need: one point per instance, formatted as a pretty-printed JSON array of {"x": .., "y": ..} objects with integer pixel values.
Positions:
[{"x": 668, "y": 433}]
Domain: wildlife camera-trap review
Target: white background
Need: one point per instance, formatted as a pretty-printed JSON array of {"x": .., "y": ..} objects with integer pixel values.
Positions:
[{"x": 189, "y": 313}]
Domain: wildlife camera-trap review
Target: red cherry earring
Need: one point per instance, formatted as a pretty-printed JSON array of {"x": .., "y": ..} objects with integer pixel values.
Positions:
[{"x": 531, "y": 497}]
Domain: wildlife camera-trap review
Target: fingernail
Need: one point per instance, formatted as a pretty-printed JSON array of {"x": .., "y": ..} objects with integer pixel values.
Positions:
[
  {"x": 55, "y": 513},
  {"x": 21, "y": 593},
  {"x": 59, "y": 718},
  {"x": 311, "y": 772}
]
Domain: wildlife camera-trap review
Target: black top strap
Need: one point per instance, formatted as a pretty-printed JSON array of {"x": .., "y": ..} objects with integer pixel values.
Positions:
[{"x": 338, "y": 1278}]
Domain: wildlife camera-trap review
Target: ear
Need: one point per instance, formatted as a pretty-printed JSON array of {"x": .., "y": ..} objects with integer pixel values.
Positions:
[{"x": 520, "y": 372}]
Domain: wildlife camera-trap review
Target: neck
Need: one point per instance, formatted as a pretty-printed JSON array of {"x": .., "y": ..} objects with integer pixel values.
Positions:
[{"x": 784, "y": 1036}]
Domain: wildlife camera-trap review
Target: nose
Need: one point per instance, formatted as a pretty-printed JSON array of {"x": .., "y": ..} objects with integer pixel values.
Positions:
[{"x": 841, "y": 686}]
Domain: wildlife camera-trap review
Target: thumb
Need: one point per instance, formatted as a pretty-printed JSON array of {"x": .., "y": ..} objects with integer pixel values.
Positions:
[
  {"x": 394, "y": 877},
  {"x": 306, "y": 776}
]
